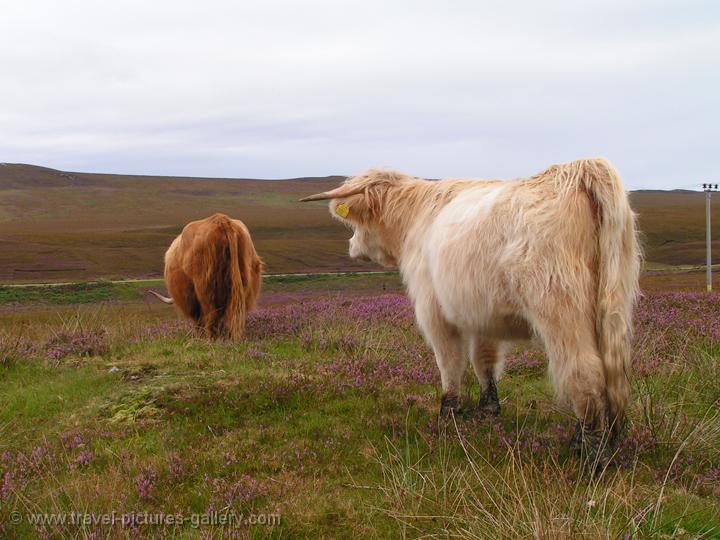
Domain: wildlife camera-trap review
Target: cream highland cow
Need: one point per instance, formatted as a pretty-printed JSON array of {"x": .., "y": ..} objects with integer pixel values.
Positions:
[{"x": 484, "y": 262}]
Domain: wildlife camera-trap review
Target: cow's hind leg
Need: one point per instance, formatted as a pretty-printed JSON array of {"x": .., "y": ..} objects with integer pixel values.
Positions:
[
  {"x": 182, "y": 290},
  {"x": 446, "y": 343},
  {"x": 486, "y": 357},
  {"x": 210, "y": 315},
  {"x": 577, "y": 373}
]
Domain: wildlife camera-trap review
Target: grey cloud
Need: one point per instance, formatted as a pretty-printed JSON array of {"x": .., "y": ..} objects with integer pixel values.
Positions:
[{"x": 281, "y": 88}]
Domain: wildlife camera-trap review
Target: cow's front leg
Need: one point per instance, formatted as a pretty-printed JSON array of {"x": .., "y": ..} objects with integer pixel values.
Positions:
[
  {"x": 451, "y": 363},
  {"x": 446, "y": 343},
  {"x": 487, "y": 360}
]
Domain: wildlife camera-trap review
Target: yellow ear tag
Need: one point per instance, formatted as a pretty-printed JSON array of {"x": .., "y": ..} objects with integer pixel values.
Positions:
[{"x": 342, "y": 210}]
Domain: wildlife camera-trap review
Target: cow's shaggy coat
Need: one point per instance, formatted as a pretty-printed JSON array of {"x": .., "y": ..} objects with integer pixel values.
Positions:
[
  {"x": 554, "y": 255},
  {"x": 213, "y": 275}
]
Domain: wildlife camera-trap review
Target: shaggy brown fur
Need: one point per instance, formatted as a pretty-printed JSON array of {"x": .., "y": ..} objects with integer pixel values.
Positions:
[{"x": 213, "y": 275}]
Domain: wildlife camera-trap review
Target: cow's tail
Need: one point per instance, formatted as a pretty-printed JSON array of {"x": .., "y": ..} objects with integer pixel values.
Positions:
[
  {"x": 619, "y": 263},
  {"x": 222, "y": 283},
  {"x": 234, "y": 319}
]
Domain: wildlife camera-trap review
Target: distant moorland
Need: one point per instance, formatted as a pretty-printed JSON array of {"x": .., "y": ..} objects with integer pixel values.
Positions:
[{"x": 57, "y": 226}]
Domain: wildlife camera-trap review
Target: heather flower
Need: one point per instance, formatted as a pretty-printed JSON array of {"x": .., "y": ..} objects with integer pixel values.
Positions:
[
  {"x": 527, "y": 360},
  {"x": 176, "y": 469},
  {"x": 412, "y": 399},
  {"x": 241, "y": 490},
  {"x": 71, "y": 440},
  {"x": 166, "y": 329},
  {"x": 636, "y": 440},
  {"x": 255, "y": 353},
  {"x": 709, "y": 479},
  {"x": 145, "y": 482},
  {"x": 292, "y": 319},
  {"x": 81, "y": 343},
  {"x": 83, "y": 458},
  {"x": 6, "y": 486},
  {"x": 37, "y": 455}
]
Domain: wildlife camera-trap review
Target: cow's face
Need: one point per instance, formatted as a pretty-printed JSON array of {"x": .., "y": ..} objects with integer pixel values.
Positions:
[
  {"x": 368, "y": 246},
  {"x": 368, "y": 241},
  {"x": 359, "y": 205}
]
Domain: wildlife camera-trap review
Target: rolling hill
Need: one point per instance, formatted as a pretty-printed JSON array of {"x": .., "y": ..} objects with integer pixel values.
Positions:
[{"x": 57, "y": 225}]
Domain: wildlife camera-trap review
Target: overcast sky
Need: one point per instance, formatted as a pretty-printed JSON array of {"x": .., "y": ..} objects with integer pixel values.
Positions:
[{"x": 277, "y": 89}]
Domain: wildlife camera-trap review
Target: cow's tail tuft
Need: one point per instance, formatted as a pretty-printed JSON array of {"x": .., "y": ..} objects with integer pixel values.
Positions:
[{"x": 618, "y": 285}]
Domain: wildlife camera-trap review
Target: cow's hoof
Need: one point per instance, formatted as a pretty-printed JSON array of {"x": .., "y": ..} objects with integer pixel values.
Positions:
[
  {"x": 575, "y": 444},
  {"x": 598, "y": 460},
  {"x": 488, "y": 409},
  {"x": 450, "y": 406},
  {"x": 489, "y": 404},
  {"x": 593, "y": 447}
]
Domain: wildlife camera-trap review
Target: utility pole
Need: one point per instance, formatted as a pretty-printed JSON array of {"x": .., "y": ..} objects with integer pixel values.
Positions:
[{"x": 708, "y": 189}]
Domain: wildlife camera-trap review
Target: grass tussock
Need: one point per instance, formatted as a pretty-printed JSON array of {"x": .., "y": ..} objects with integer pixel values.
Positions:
[{"x": 455, "y": 488}]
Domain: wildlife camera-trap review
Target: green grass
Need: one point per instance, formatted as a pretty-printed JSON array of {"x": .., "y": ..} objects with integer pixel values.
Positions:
[
  {"x": 76, "y": 293},
  {"x": 162, "y": 421},
  {"x": 37, "y": 404},
  {"x": 133, "y": 291}
]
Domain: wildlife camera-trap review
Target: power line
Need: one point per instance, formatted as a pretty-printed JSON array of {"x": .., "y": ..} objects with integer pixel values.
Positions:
[{"x": 708, "y": 189}]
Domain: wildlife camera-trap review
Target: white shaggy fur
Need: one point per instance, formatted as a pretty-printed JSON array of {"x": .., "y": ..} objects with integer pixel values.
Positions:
[{"x": 484, "y": 262}]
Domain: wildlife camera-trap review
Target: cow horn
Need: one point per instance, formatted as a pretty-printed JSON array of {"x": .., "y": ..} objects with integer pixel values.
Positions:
[
  {"x": 162, "y": 298},
  {"x": 337, "y": 193}
]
